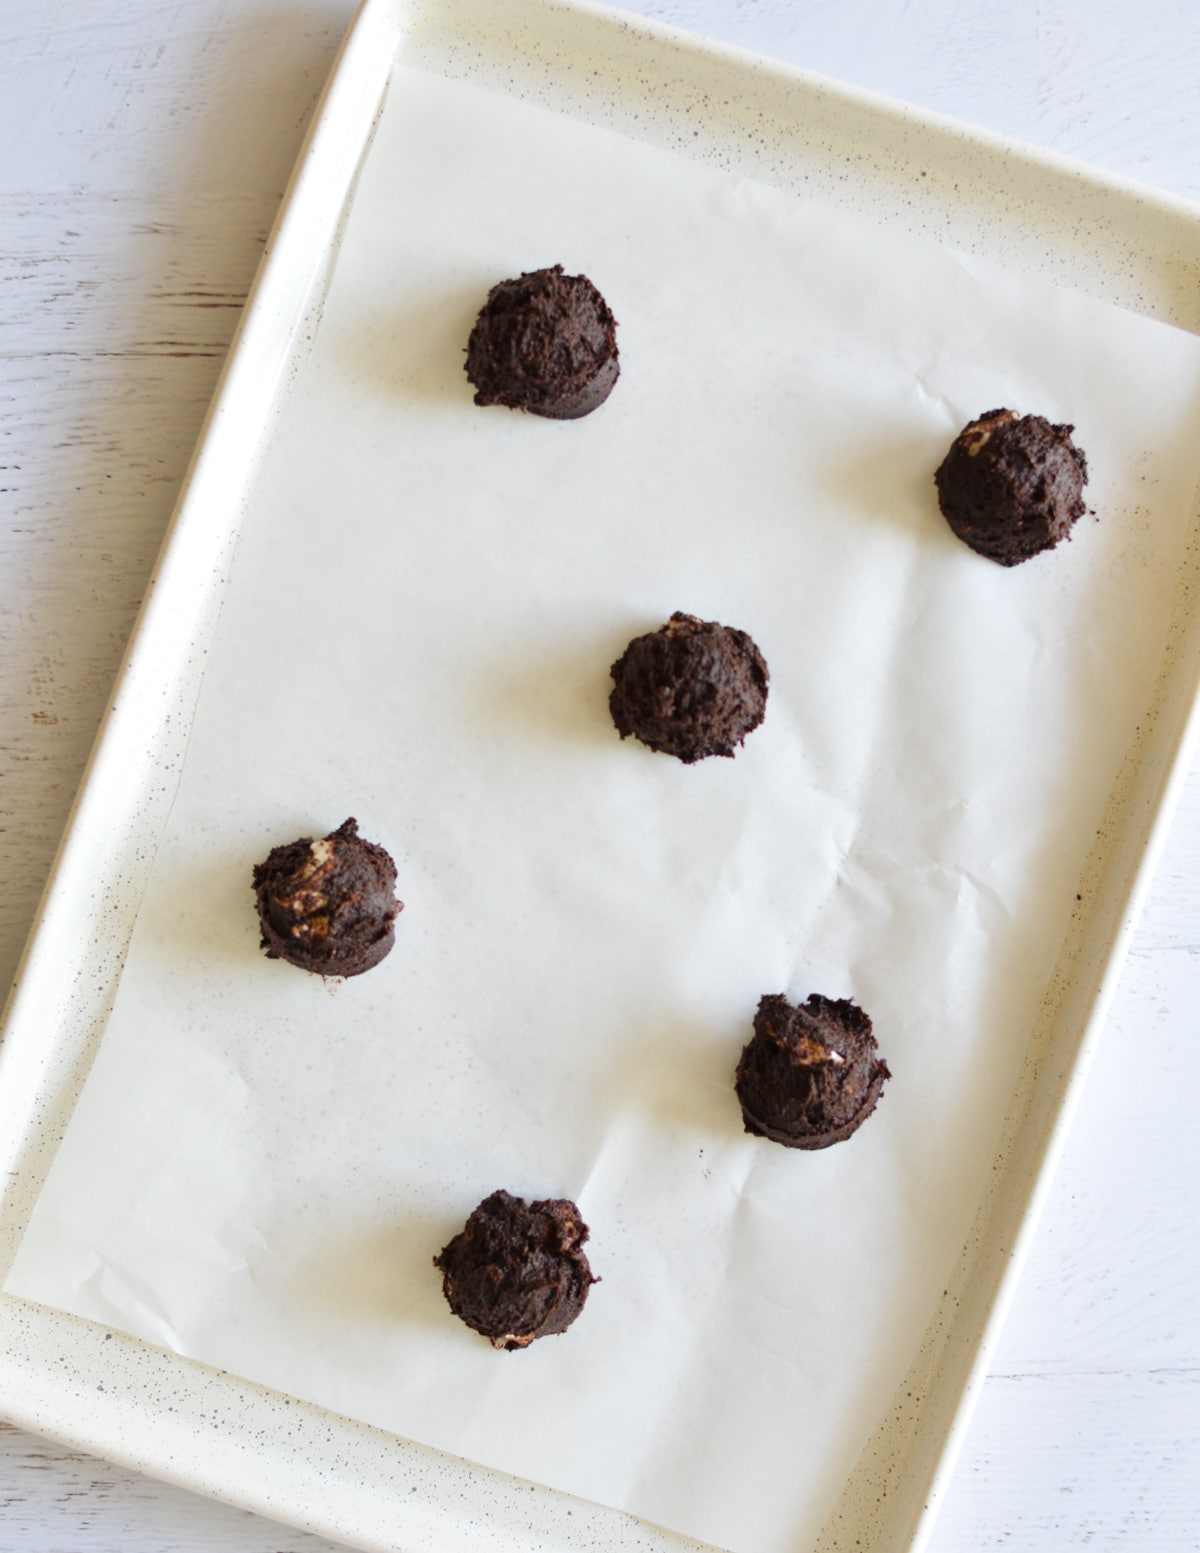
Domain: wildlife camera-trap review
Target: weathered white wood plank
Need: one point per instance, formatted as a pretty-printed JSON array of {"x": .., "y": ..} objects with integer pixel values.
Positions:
[
  {"x": 1114, "y": 1458},
  {"x": 116, "y": 320},
  {"x": 144, "y": 99}
]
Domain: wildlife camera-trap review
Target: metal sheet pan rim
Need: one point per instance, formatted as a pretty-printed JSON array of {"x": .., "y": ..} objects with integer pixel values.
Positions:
[{"x": 884, "y": 105}]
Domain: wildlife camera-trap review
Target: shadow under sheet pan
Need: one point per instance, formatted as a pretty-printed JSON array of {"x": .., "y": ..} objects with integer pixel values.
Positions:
[{"x": 226, "y": 1180}]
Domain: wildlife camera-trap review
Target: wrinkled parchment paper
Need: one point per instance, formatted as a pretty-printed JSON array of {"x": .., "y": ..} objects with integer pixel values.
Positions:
[{"x": 423, "y": 609}]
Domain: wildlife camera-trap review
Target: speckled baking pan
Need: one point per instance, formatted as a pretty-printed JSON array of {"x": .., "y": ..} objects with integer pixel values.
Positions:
[{"x": 787, "y": 132}]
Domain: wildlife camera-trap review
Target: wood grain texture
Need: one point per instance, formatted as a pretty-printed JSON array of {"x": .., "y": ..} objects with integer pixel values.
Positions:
[
  {"x": 143, "y": 154},
  {"x": 144, "y": 147}
]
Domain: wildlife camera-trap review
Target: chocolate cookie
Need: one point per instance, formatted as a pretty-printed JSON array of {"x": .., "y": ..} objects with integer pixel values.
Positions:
[
  {"x": 328, "y": 906},
  {"x": 517, "y": 1271},
  {"x": 1011, "y": 485},
  {"x": 809, "y": 1076},
  {"x": 691, "y": 689},
  {"x": 546, "y": 343}
]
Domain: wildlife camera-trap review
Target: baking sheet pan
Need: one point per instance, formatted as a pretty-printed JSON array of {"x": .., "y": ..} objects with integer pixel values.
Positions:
[{"x": 1104, "y": 899}]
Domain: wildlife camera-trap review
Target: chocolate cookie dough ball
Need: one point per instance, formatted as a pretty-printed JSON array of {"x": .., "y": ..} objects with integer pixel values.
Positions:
[
  {"x": 691, "y": 689},
  {"x": 328, "y": 906},
  {"x": 809, "y": 1076},
  {"x": 546, "y": 343},
  {"x": 517, "y": 1270},
  {"x": 1011, "y": 485}
]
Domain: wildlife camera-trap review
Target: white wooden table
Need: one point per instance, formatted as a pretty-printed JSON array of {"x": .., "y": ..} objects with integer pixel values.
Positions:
[{"x": 144, "y": 146}]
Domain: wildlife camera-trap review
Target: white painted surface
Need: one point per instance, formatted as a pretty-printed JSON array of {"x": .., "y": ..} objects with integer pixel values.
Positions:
[{"x": 143, "y": 150}]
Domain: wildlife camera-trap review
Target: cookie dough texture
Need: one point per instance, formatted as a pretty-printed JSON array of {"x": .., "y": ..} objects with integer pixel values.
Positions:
[
  {"x": 545, "y": 342},
  {"x": 328, "y": 906},
  {"x": 691, "y": 689},
  {"x": 810, "y": 1075},
  {"x": 1011, "y": 485},
  {"x": 517, "y": 1270}
]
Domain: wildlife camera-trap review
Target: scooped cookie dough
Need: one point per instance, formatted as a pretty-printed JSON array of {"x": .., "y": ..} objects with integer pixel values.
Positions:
[
  {"x": 810, "y": 1075},
  {"x": 545, "y": 342},
  {"x": 517, "y": 1270},
  {"x": 1011, "y": 485},
  {"x": 691, "y": 689},
  {"x": 328, "y": 906}
]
